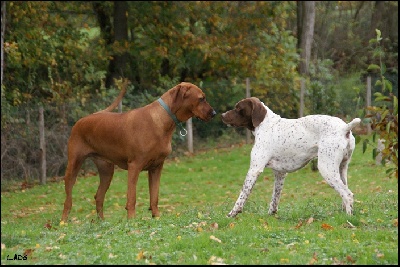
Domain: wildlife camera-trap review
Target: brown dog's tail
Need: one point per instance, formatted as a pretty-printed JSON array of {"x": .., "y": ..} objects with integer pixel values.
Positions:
[{"x": 124, "y": 85}]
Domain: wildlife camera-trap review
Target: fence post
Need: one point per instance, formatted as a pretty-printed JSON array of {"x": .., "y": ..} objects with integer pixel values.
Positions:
[
  {"x": 248, "y": 133},
  {"x": 120, "y": 107},
  {"x": 368, "y": 102},
  {"x": 189, "y": 126},
  {"x": 42, "y": 144}
]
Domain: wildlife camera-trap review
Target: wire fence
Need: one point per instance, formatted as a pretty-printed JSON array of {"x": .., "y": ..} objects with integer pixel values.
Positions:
[
  {"x": 20, "y": 138},
  {"x": 21, "y": 150}
]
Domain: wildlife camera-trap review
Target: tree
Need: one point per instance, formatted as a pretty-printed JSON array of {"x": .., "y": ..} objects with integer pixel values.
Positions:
[
  {"x": 306, "y": 12},
  {"x": 3, "y": 28}
]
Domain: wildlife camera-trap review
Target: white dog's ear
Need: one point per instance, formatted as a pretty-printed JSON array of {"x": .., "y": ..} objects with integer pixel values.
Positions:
[{"x": 258, "y": 113}]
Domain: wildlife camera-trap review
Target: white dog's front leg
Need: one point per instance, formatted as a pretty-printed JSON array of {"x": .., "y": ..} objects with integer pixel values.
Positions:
[
  {"x": 276, "y": 194},
  {"x": 251, "y": 178}
]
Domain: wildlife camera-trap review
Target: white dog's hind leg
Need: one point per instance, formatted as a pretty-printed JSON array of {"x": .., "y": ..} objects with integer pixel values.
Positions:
[{"x": 331, "y": 173}]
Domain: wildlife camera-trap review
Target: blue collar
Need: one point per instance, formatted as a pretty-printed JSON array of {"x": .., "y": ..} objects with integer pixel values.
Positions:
[{"x": 172, "y": 115}]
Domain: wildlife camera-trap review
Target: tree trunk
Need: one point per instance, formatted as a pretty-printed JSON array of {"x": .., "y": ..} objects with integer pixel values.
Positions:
[
  {"x": 299, "y": 23},
  {"x": 118, "y": 64},
  {"x": 376, "y": 18},
  {"x": 307, "y": 34},
  {"x": 3, "y": 29}
]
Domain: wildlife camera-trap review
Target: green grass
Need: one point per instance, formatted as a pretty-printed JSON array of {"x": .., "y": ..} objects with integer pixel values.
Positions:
[{"x": 196, "y": 193}]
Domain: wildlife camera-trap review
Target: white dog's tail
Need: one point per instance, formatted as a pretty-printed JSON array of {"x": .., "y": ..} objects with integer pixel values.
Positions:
[{"x": 352, "y": 124}]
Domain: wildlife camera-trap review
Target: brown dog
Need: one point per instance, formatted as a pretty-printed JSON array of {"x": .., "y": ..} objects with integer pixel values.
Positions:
[{"x": 137, "y": 140}]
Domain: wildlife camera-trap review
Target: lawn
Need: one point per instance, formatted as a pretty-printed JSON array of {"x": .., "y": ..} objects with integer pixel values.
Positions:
[{"x": 196, "y": 193}]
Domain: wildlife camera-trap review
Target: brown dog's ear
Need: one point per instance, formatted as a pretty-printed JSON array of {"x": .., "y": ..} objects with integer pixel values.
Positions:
[
  {"x": 258, "y": 113},
  {"x": 177, "y": 94}
]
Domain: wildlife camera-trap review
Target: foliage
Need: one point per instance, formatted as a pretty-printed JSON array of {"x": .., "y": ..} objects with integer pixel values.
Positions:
[
  {"x": 344, "y": 28},
  {"x": 276, "y": 72},
  {"x": 322, "y": 96},
  {"x": 196, "y": 193},
  {"x": 384, "y": 115},
  {"x": 54, "y": 61},
  {"x": 349, "y": 95}
]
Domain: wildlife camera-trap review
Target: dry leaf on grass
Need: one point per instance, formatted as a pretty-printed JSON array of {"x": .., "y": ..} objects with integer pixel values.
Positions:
[
  {"x": 215, "y": 239},
  {"x": 326, "y": 226}
]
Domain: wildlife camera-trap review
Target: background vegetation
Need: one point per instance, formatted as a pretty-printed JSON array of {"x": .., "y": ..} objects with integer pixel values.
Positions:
[{"x": 65, "y": 56}]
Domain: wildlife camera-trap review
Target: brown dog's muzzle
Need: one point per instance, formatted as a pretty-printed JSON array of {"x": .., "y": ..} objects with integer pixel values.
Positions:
[
  {"x": 206, "y": 113},
  {"x": 211, "y": 113}
]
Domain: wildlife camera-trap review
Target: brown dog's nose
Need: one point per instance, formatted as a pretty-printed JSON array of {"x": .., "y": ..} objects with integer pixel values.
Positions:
[{"x": 213, "y": 113}]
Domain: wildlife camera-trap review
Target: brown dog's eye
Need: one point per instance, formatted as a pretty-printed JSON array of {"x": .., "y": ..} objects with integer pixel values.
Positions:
[{"x": 202, "y": 99}]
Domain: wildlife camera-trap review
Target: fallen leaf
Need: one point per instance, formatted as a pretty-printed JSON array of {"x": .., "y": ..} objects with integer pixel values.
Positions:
[
  {"x": 111, "y": 256},
  {"x": 299, "y": 224},
  {"x": 48, "y": 225},
  {"x": 310, "y": 220},
  {"x": 216, "y": 261},
  {"x": 284, "y": 260},
  {"x": 231, "y": 225},
  {"x": 214, "y": 225},
  {"x": 215, "y": 239},
  {"x": 350, "y": 259},
  {"x": 61, "y": 236},
  {"x": 139, "y": 255},
  {"x": 326, "y": 226},
  {"x": 314, "y": 259},
  {"x": 134, "y": 232},
  {"x": 28, "y": 252}
]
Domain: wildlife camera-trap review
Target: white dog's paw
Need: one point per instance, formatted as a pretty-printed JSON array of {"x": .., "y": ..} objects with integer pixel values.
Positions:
[{"x": 232, "y": 214}]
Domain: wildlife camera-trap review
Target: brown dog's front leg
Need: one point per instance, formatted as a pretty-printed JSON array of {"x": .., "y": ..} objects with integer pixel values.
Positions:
[
  {"x": 154, "y": 185},
  {"x": 133, "y": 175},
  {"x": 69, "y": 179}
]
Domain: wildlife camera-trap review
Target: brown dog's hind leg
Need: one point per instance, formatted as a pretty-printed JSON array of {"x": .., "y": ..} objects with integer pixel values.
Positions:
[
  {"x": 154, "y": 185},
  {"x": 133, "y": 175},
  {"x": 106, "y": 172},
  {"x": 73, "y": 168}
]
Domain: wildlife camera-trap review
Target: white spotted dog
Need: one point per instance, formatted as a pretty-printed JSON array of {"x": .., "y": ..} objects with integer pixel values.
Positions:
[{"x": 286, "y": 145}]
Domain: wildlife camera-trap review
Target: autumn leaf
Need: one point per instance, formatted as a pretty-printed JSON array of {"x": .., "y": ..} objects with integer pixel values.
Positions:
[
  {"x": 314, "y": 259},
  {"x": 350, "y": 259},
  {"x": 215, "y": 239},
  {"x": 310, "y": 220},
  {"x": 299, "y": 224},
  {"x": 140, "y": 255},
  {"x": 216, "y": 261},
  {"x": 28, "y": 252},
  {"x": 326, "y": 226},
  {"x": 48, "y": 225},
  {"x": 214, "y": 225}
]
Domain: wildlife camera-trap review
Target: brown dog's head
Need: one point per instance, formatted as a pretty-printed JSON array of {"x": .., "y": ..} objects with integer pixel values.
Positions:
[
  {"x": 188, "y": 100},
  {"x": 249, "y": 113}
]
